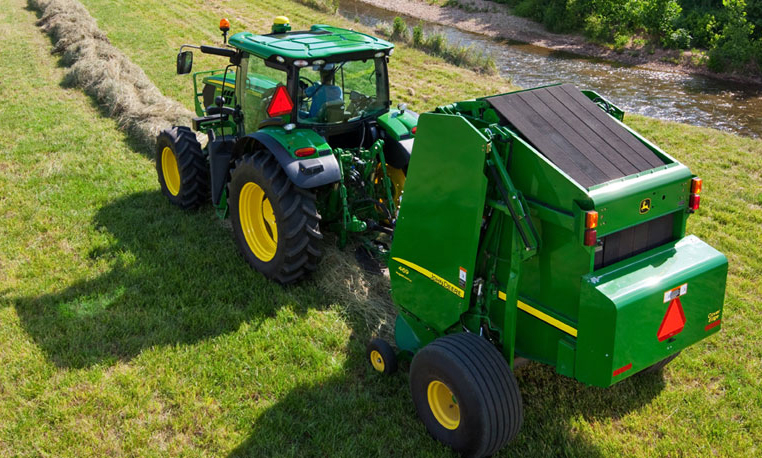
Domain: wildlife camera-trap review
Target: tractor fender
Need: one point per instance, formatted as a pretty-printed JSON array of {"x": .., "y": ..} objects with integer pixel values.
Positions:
[
  {"x": 304, "y": 173},
  {"x": 397, "y": 152}
]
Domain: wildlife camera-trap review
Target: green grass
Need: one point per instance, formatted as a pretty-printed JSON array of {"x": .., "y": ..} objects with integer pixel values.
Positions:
[{"x": 128, "y": 327}]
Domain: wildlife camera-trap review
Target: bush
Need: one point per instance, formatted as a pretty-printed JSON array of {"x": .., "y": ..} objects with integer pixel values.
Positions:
[
  {"x": 399, "y": 30},
  {"x": 679, "y": 39},
  {"x": 384, "y": 29},
  {"x": 596, "y": 28},
  {"x": 735, "y": 47},
  {"x": 436, "y": 44},
  {"x": 703, "y": 26},
  {"x": 731, "y": 30},
  {"x": 418, "y": 36},
  {"x": 660, "y": 16}
]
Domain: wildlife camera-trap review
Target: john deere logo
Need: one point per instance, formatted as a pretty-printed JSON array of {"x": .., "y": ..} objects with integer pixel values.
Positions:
[{"x": 645, "y": 206}]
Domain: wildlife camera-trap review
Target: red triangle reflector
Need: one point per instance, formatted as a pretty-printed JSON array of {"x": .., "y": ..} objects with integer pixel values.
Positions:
[
  {"x": 673, "y": 322},
  {"x": 281, "y": 103}
]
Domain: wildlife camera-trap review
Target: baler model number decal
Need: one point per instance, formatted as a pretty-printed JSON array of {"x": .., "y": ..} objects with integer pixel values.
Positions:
[
  {"x": 433, "y": 277},
  {"x": 675, "y": 292},
  {"x": 542, "y": 316}
]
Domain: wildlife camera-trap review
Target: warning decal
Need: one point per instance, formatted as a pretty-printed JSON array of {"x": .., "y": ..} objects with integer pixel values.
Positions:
[{"x": 675, "y": 292}]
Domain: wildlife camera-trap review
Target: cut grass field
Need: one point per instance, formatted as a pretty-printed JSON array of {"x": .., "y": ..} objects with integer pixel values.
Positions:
[{"x": 128, "y": 327}]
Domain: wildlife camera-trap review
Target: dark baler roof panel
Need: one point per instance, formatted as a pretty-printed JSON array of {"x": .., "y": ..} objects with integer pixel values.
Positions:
[{"x": 575, "y": 134}]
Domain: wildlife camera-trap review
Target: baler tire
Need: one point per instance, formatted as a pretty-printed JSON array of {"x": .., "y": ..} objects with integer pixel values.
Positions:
[
  {"x": 489, "y": 408},
  {"x": 381, "y": 356},
  {"x": 287, "y": 215},
  {"x": 182, "y": 169},
  {"x": 658, "y": 367}
]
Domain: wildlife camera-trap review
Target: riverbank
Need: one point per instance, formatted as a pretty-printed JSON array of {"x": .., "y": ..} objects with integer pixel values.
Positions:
[{"x": 495, "y": 20}]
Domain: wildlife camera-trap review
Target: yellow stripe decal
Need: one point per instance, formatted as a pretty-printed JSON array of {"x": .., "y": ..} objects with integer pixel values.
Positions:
[
  {"x": 433, "y": 277},
  {"x": 542, "y": 316}
]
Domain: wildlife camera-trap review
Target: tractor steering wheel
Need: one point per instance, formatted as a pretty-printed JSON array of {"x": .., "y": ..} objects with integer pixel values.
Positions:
[{"x": 304, "y": 83}]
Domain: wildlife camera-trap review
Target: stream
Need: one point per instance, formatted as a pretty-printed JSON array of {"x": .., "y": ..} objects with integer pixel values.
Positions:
[{"x": 673, "y": 96}]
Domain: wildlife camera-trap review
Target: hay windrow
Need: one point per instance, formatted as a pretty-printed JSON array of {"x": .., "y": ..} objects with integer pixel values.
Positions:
[
  {"x": 119, "y": 86},
  {"x": 342, "y": 279},
  {"x": 126, "y": 94}
]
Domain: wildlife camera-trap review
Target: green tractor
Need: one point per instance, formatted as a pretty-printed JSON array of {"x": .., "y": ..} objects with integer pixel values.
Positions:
[
  {"x": 301, "y": 136},
  {"x": 535, "y": 225}
]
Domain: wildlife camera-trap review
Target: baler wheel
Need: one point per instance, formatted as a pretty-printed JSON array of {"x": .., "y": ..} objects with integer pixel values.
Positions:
[
  {"x": 382, "y": 357},
  {"x": 276, "y": 224},
  {"x": 182, "y": 168},
  {"x": 657, "y": 367},
  {"x": 466, "y": 395}
]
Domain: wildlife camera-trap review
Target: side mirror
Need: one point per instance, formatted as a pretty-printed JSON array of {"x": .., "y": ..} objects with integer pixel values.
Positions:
[{"x": 184, "y": 62}]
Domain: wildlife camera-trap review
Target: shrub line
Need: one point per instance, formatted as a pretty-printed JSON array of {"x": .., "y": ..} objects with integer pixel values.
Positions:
[{"x": 436, "y": 44}]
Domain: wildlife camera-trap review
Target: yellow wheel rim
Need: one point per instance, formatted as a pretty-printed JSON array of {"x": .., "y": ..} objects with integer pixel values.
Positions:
[
  {"x": 377, "y": 361},
  {"x": 170, "y": 171},
  {"x": 397, "y": 178},
  {"x": 258, "y": 222},
  {"x": 443, "y": 405}
]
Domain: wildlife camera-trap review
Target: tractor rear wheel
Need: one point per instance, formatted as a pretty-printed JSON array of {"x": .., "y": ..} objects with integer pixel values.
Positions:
[
  {"x": 466, "y": 394},
  {"x": 182, "y": 168},
  {"x": 276, "y": 224}
]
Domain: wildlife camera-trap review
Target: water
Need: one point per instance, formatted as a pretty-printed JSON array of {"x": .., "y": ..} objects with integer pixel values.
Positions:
[{"x": 690, "y": 99}]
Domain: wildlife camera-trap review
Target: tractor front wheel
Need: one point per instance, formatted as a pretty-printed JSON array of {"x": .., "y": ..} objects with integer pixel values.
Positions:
[
  {"x": 465, "y": 394},
  {"x": 276, "y": 224},
  {"x": 182, "y": 168}
]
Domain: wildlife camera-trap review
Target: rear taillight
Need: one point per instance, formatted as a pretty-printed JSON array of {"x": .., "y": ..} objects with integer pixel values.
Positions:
[
  {"x": 304, "y": 152},
  {"x": 693, "y": 202},
  {"x": 591, "y": 237},
  {"x": 695, "y": 198},
  {"x": 591, "y": 222},
  {"x": 696, "y": 185}
]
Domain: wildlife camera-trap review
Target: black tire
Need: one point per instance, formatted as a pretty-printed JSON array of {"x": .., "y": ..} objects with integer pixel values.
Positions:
[
  {"x": 381, "y": 356},
  {"x": 658, "y": 367},
  {"x": 190, "y": 188},
  {"x": 483, "y": 388},
  {"x": 296, "y": 232}
]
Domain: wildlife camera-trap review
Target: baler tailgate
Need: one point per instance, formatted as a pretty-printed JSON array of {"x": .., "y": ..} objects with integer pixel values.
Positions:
[
  {"x": 575, "y": 134},
  {"x": 635, "y": 314}
]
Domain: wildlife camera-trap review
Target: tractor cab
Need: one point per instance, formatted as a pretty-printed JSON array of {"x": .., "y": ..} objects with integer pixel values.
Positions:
[
  {"x": 330, "y": 96},
  {"x": 330, "y": 80}
]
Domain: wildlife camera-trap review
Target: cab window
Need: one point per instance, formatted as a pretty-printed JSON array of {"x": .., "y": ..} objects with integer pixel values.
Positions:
[
  {"x": 260, "y": 84},
  {"x": 338, "y": 92}
]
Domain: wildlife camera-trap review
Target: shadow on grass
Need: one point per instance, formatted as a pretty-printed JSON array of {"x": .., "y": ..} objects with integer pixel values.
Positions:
[
  {"x": 360, "y": 413},
  {"x": 172, "y": 277},
  {"x": 166, "y": 277}
]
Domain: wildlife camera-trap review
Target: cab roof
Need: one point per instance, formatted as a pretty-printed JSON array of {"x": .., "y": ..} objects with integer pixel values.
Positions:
[{"x": 320, "y": 42}]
